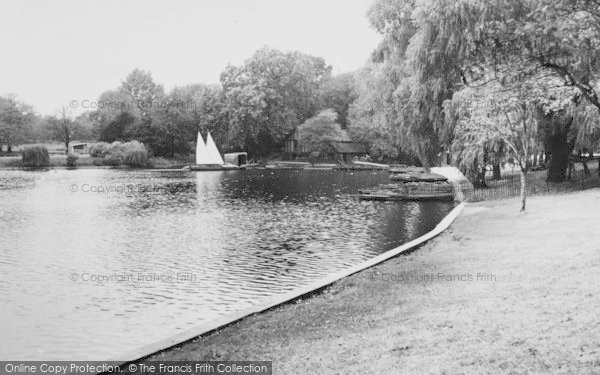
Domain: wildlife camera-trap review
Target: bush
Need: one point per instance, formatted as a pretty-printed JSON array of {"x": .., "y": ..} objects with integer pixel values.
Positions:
[
  {"x": 72, "y": 160},
  {"x": 112, "y": 161},
  {"x": 132, "y": 154},
  {"x": 136, "y": 155},
  {"x": 98, "y": 150},
  {"x": 118, "y": 149},
  {"x": 36, "y": 157},
  {"x": 136, "y": 158}
]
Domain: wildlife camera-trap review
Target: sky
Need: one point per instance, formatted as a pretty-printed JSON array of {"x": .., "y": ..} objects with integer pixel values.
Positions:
[{"x": 59, "y": 51}]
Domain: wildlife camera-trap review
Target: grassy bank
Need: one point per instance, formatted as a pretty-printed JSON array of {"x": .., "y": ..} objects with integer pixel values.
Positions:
[{"x": 499, "y": 292}]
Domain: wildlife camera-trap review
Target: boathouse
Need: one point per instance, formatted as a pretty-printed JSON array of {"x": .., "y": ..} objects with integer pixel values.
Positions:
[{"x": 345, "y": 149}]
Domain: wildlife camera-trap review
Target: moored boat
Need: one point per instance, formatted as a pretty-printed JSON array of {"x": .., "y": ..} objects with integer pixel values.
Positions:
[
  {"x": 387, "y": 195},
  {"x": 208, "y": 157},
  {"x": 415, "y": 191}
]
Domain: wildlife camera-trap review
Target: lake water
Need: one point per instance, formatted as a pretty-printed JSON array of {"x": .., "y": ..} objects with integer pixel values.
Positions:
[{"x": 98, "y": 262}]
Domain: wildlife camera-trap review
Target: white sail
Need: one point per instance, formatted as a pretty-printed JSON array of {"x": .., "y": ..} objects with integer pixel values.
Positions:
[
  {"x": 213, "y": 152},
  {"x": 202, "y": 156}
]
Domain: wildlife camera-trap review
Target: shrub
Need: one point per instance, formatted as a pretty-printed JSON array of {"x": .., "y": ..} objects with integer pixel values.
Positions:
[
  {"x": 117, "y": 149},
  {"x": 36, "y": 156},
  {"x": 132, "y": 153},
  {"x": 72, "y": 160},
  {"x": 136, "y": 158},
  {"x": 136, "y": 155},
  {"x": 98, "y": 150},
  {"x": 112, "y": 161}
]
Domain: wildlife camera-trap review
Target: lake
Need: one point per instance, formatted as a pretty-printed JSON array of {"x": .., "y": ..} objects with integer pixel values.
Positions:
[{"x": 98, "y": 262}]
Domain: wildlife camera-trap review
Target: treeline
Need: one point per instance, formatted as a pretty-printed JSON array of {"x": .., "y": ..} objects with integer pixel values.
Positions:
[
  {"x": 254, "y": 108},
  {"x": 483, "y": 82},
  {"x": 477, "y": 82}
]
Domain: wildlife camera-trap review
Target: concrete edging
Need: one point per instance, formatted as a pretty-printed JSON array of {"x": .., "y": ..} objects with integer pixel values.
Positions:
[{"x": 223, "y": 321}]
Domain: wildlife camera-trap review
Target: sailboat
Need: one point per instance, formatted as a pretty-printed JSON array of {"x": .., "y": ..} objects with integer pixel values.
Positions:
[
  {"x": 201, "y": 151},
  {"x": 213, "y": 152},
  {"x": 208, "y": 157}
]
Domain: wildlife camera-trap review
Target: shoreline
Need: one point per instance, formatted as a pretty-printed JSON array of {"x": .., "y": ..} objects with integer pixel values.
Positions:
[
  {"x": 287, "y": 298},
  {"x": 507, "y": 292}
]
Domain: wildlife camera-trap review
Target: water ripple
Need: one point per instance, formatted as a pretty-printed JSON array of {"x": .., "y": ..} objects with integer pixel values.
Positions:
[{"x": 175, "y": 249}]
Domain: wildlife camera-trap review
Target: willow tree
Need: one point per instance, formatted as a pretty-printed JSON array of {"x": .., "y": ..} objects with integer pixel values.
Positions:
[
  {"x": 371, "y": 116},
  {"x": 425, "y": 42},
  {"x": 508, "y": 115},
  {"x": 520, "y": 40}
]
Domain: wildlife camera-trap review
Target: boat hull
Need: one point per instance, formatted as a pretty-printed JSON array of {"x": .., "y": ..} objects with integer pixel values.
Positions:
[
  {"x": 212, "y": 167},
  {"x": 385, "y": 196}
]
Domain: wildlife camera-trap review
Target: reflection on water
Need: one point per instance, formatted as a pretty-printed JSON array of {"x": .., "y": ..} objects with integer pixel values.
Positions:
[{"x": 99, "y": 262}]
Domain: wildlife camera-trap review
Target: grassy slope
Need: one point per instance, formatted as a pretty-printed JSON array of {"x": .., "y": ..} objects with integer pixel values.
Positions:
[{"x": 540, "y": 315}]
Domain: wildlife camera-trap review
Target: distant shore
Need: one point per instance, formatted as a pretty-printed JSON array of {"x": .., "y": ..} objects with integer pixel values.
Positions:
[
  {"x": 499, "y": 292},
  {"x": 59, "y": 161}
]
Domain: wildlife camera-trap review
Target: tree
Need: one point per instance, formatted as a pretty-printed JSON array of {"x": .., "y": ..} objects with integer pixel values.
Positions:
[
  {"x": 245, "y": 112},
  {"x": 532, "y": 39},
  {"x": 147, "y": 97},
  {"x": 422, "y": 46},
  {"x": 494, "y": 114},
  {"x": 339, "y": 93},
  {"x": 118, "y": 129},
  {"x": 16, "y": 119},
  {"x": 116, "y": 116},
  {"x": 146, "y": 94},
  {"x": 271, "y": 94},
  {"x": 187, "y": 110},
  {"x": 63, "y": 128},
  {"x": 140, "y": 110},
  {"x": 370, "y": 116},
  {"x": 317, "y": 132},
  {"x": 439, "y": 46}
]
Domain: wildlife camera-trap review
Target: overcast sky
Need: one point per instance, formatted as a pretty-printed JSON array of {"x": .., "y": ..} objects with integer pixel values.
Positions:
[{"x": 57, "y": 51}]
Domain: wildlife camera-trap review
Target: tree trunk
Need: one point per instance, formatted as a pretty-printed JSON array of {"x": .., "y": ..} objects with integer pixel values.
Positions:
[
  {"x": 559, "y": 149},
  {"x": 586, "y": 169},
  {"x": 497, "y": 172},
  {"x": 67, "y": 142},
  {"x": 559, "y": 159},
  {"x": 523, "y": 189},
  {"x": 477, "y": 175}
]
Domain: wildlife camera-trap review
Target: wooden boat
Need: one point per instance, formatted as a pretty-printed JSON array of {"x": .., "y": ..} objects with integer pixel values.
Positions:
[
  {"x": 414, "y": 191},
  {"x": 386, "y": 195},
  {"x": 417, "y": 177},
  {"x": 362, "y": 166},
  {"x": 212, "y": 167},
  {"x": 291, "y": 164}
]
